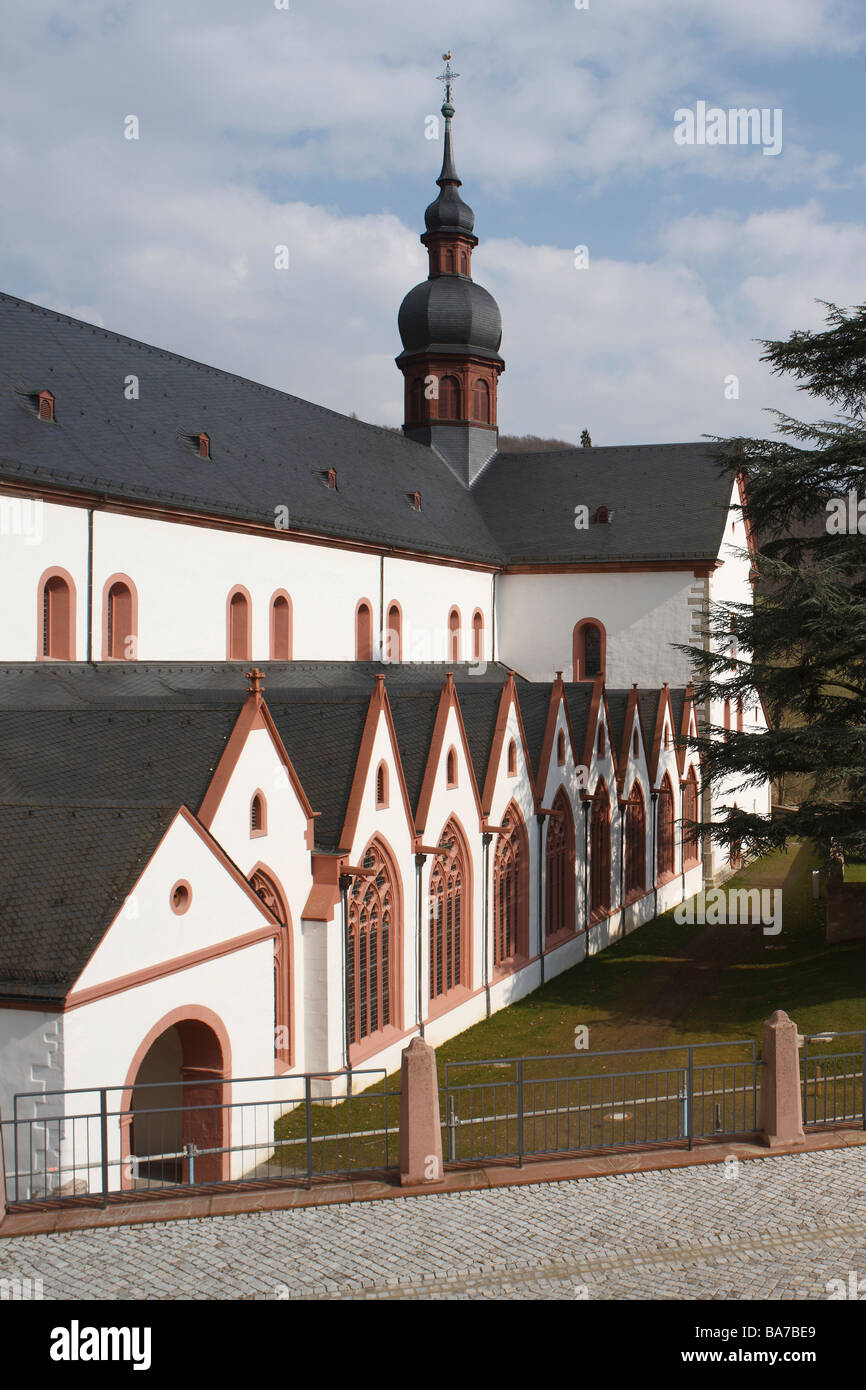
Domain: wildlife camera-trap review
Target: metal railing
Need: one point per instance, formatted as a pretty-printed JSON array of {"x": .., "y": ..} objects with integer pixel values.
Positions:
[
  {"x": 833, "y": 1082},
  {"x": 582, "y": 1105},
  {"x": 87, "y": 1142}
]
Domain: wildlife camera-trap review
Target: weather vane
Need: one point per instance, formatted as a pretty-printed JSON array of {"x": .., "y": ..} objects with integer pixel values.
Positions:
[{"x": 448, "y": 75}]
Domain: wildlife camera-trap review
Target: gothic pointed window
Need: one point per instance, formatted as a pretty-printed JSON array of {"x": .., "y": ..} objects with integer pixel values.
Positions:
[
  {"x": 599, "y": 853},
  {"x": 635, "y": 843},
  {"x": 691, "y": 843},
  {"x": 449, "y": 398},
  {"x": 510, "y": 890},
  {"x": 447, "y": 912},
  {"x": 666, "y": 845},
  {"x": 559, "y": 869},
  {"x": 372, "y": 942},
  {"x": 266, "y": 888}
]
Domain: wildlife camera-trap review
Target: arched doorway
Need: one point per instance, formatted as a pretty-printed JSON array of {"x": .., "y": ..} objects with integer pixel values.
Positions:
[{"x": 177, "y": 1096}]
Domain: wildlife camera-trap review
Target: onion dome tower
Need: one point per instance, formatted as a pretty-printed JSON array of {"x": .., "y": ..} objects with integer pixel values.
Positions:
[{"x": 451, "y": 330}]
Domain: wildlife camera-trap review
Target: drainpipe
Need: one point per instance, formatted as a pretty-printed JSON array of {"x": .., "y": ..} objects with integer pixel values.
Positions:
[
  {"x": 485, "y": 839},
  {"x": 493, "y": 617},
  {"x": 540, "y": 820},
  {"x": 89, "y": 584},
  {"x": 345, "y": 880},
  {"x": 622, "y": 815},
  {"x": 654, "y": 796},
  {"x": 381, "y": 605},
  {"x": 586, "y": 871},
  {"x": 420, "y": 860}
]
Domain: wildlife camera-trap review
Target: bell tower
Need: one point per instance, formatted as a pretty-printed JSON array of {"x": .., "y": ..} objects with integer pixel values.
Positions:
[{"x": 451, "y": 330}]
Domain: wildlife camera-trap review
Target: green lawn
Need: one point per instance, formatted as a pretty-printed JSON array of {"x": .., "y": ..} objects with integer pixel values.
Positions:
[
  {"x": 665, "y": 985},
  {"x": 854, "y": 872}
]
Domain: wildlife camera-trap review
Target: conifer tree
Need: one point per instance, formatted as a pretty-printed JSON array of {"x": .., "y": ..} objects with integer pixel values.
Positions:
[{"x": 802, "y": 646}]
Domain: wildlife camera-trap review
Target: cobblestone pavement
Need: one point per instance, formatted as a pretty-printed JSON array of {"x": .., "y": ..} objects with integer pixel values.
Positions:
[{"x": 782, "y": 1228}]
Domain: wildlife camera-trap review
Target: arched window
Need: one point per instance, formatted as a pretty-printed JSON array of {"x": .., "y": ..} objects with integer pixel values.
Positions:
[
  {"x": 478, "y": 635},
  {"x": 481, "y": 401},
  {"x": 393, "y": 634},
  {"x": 560, "y": 749},
  {"x": 588, "y": 650},
  {"x": 363, "y": 632},
  {"x": 120, "y": 620},
  {"x": 599, "y": 853},
  {"x": 46, "y": 405},
  {"x": 449, "y": 262},
  {"x": 57, "y": 616},
  {"x": 726, "y": 718},
  {"x": 258, "y": 816},
  {"x": 281, "y": 627},
  {"x": 691, "y": 843},
  {"x": 635, "y": 843},
  {"x": 511, "y": 761},
  {"x": 381, "y": 787},
  {"x": 667, "y": 736},
  {"x": 417, "y": 401},
  {"x": 447, "y": 913},
  {"x": 559, "y": 869},
  {"x": 272, "y": 897},
  {"x": 455, "y": 636},
  {"x": 510, "y": 890},
  {"x": 372, "y": 948},
  {"x": 739, "y": 714},
  {"x": 635, "y": 743},
  {"x": 238, "y": 637},
  {"x": 602, "y": 516},
  {"x": 451, "y": 768},
  {"x": 602, "y": 741},
  {"x": 449, "y": 398},
  {"x": 666, "y": 846}
]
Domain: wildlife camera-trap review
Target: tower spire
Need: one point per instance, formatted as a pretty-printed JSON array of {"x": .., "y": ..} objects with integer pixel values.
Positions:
[
  {"x": 449, "y": 173},
  {"x": 451, "y": 331}
]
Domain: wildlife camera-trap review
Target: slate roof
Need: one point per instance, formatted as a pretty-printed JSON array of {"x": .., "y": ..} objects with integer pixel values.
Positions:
[
  {"x": 270, "y": 449},
  {"x": 668, "y": 502}
]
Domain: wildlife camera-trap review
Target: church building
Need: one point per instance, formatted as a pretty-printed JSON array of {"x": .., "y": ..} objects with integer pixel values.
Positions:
[{"x": 316, "y": 736}]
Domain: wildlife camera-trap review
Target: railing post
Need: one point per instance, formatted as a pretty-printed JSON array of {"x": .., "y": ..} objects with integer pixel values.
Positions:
[
  {"x": 103, "y": 1142},
  {"x": 781, "y": 1120},
  {"x": 521, "y": 1147},
  {"x": 3, "y": 1175},
  {"x": 420, "y": 1130},
  {"x": 308, "y": 1107},
  {"x": 690, "y": 1099}
]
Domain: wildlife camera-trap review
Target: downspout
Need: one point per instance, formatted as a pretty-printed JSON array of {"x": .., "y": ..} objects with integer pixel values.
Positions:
[
  {"x": 540, "y": 820},
  {"x": 493, "y": 617},
  {"x": 382, "y": 606},
  {"x": 622, "y": 815},
  {"x": 586, "y": 871},
  {"x": 420, "y": 860},
  {"x": 485, "y": 839},
  {"x": 344, "y": 895},
  {"x": 89, "y": 585},
  {"x": 655, "y": 801}
]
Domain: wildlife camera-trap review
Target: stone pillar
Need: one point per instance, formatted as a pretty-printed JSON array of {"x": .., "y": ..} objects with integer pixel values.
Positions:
[
  {"x": 420, "y": 1135},
  {"x": 781, "y": 1117}
]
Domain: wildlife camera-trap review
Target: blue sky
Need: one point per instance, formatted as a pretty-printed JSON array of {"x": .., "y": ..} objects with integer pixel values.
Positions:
[{"x": 305, "y": 127}]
